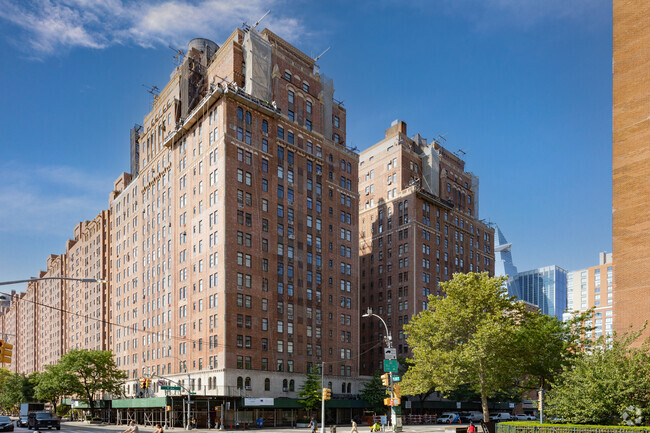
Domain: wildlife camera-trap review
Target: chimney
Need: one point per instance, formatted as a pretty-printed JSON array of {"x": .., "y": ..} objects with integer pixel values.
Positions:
[{"x": 396, "y": 127}]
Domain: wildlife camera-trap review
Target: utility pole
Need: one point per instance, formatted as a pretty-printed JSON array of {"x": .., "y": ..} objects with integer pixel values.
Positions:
[
  {"x": 322, "y": 400},
  {"x": 390, "y": 358}
]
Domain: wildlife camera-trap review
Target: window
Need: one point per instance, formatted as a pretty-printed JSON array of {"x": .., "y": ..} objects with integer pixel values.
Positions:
[
  {"x": 287, "y": 76},
  {"x": 290, "y": 97}
]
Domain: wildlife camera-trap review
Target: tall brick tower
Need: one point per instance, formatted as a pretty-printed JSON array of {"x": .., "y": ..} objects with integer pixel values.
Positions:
[
  {"x": 235, "y": 247},
  {"x": 631, "y": 163}
]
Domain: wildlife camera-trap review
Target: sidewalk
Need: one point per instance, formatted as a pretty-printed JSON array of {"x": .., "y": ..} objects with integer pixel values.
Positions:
[{"x": 426, "y": 428}]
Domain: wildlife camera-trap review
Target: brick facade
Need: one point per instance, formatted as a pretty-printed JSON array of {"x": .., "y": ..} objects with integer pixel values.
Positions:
[
  {"x": 631, "y": 163},
  {"x": 418, "y": 226}
]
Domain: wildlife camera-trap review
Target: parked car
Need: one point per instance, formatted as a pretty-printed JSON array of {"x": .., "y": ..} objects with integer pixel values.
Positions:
[
  {"x": 6, "y": 424},
  {"x": 41, "y": 420},
  {"x": 21, "y": 421},
  {"x": 524, "y": 417},
  {"x": 500, "y": 416}
]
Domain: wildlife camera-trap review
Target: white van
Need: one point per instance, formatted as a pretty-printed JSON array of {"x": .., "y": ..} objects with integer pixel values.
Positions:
[
  {"x": 472, "y": 415},
  {"x": 500, "y": 416}
]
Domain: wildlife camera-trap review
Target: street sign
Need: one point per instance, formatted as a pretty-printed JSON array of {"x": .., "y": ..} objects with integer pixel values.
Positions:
[
  {"x": 396, "y": 378},
  {"x": 390, "y": 353},
  {"x": 391, "y": 365},
  {"x": 170, "y": 388}
]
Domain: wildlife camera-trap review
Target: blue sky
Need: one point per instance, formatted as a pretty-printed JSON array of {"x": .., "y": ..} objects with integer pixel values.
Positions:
[{"x": 522, "y": 87}]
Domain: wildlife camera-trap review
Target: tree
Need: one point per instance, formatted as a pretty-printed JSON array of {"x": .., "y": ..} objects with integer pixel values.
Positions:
[
  {"x": 466, "y": 337},
  {"x": 51, "y": 384},
  {"x": 16, "y": 389},
  {"x": 311, "y": 391},
  {"x": 548, "y": 347},
  {"x": 374, "y": 392},
  {"x": 86, "y": 373},
  {"x": 603, "y": 383}
]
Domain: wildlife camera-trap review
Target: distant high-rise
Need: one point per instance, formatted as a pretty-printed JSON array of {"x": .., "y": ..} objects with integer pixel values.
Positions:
[
  {"x": 419, "y": 225},
  {"x": 544, "y": 287},
  {"x": 631, "y": 163},
  {"x": 593, "y": 287},
  {"x": 503, "y": 265}
]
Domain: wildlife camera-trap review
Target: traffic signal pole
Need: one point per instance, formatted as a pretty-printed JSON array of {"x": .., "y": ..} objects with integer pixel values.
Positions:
[{"x": 389, "y": 354}]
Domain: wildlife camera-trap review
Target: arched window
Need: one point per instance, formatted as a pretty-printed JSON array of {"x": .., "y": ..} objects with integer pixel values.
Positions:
[
  {"x": 284, "y": 385},
  {"x": 343, "y": 388},
  {"x": 292, "y": 385},
  {"x": 240, "y": 382},
  {"x": 329, "y": 385},
  {"x": 349, "y": 387},
  {"x": 247, "y": 382},
  {"x": 199, "y": 383},
  {"x": 267, "y": 384}
]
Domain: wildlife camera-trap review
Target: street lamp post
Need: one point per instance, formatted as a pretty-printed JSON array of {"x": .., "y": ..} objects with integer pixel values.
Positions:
[
  {"x": 396, "y": 419},
  {"x": 83, "y": 280}
]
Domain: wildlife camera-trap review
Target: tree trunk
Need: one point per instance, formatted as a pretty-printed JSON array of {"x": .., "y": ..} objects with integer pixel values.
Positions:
[{"x": 484, "y": 401}]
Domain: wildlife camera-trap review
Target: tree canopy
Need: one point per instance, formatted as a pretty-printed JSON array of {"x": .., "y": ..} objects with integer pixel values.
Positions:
[
  {"x": 603, "y": 383},
  {"x": 374, "y": 392},
  {"x": 466, "y": 337},
  {"x": 14, "y": 390},
  {"x": 50, "y": 384},
  {"x": 311, "y": 391},
  {"x": 85, "y": 373}
]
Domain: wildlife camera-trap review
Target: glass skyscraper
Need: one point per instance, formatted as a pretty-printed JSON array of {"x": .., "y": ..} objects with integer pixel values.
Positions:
[{"x": 545, "y": 287}]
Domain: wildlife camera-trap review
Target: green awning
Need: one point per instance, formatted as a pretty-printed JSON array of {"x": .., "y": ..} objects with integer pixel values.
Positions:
[{"x": 140, "y": 402}]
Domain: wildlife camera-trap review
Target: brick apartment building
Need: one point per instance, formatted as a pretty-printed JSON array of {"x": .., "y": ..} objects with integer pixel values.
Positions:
[
  {"x": 234, "y": 248},
  {"x": 87, "y": 303},
  {"x": 418, "y": 225},
  {"x": 56, "y": 315},
  {"x": 631, "y": 164}
]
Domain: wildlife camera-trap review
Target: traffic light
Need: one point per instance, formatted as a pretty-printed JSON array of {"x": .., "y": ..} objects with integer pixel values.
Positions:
[
  {"x": 143, "y": 383},
  {"x": 327, "y": 394},
  {"x": 385, "y": 379},
  {"x": 387, "y": 402},
  {"x": 148, "y": 382},
  {"x": 397, "y": 392},
  {"x": 5, "y": 352}
]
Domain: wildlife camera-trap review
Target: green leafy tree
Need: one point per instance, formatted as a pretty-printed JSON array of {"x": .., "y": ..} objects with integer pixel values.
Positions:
[
  {"x": 51, "y": 384},
  {"x": 311, "y": 391},
  {"x": 86, "y": 373},
  {"x": 404, "y": 365},
  {"x": 374, "y": 393},
  {"x": 466, "y": 337},
  {"x": 548, "y": 347},
  {"x": 15, "y": 389},
  {"x": 603, "y": 382},
  {"x": 4, "y": 375}
]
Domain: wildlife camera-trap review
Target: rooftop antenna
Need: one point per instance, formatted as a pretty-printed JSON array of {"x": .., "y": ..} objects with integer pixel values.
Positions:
[
  {"x": 179, "y": 55},
  {"x": 459, "y": 152},
  {"x": 154, "y": 90},
  {"x": 321, "y": 54},
  {"x": 260, "y": 20}
]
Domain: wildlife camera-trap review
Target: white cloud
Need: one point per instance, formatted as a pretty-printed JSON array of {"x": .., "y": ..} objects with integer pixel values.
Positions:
[
  {"x": 51, "y": 25},
  {"x": 49, "y": 200}
]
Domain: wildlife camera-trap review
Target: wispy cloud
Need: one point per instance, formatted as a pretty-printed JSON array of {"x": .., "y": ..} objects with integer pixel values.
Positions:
[
  {"x": 52, "y": 25},
  {"x": 49, "y": 199}
]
